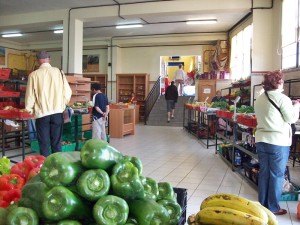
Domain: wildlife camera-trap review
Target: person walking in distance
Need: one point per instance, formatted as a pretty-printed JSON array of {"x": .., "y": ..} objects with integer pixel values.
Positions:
[
  {"x": 47, "y": 94},
  {"x": 171, "y": 97},
  {"x": 100, "y": 113},
  {"x": 180, "y": 77}
]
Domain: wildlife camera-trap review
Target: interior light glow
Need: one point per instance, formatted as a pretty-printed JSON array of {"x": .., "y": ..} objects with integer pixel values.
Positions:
[
  {"x": 58, "y": 31},
  {"x": 12, "y": 35},
  {"x": 129, "y": 26},
  {"x": 207, "y": 21}
]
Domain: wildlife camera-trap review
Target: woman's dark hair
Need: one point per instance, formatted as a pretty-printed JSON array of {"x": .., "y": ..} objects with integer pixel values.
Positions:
[{"x": 272, "y": 79}]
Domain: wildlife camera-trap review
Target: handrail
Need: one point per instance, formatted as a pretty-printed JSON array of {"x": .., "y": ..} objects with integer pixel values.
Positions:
[{"x": 151, "y": 99}]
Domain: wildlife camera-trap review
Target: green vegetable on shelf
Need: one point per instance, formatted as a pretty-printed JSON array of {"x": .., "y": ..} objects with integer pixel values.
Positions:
[
  {"x": 135, "y": 161},
  {"x": 33, "y": 194},
  {"x": 61, "y": 168},
  {"x": 93, "y": 184},
  {"x": 220, "y": 104},
  {"x": 125, "y": 181},
  {"x": 150, "y": 188},
  {"x": 149, "y": 212},
  {"x": 22, "y": 215},
  {"x": 60, "y": 203},
  {"x": 69, "y": 222},
  {"x": 165, "y": 191},
  {"x": 4, "y": 166},
  {"x": 173, "y": 209},
  {"x": 131, "y": 221},
  {"x": 3, "y": 215},
  {"x": 97, "y": 154},
  {"x": 110, "y": 209}
]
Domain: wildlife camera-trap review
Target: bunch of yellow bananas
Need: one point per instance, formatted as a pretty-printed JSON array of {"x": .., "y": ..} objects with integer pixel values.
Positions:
[{"x": 230, "y": 209}]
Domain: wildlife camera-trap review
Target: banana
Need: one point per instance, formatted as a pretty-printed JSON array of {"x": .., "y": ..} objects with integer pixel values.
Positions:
[
  {"x": 272, "y": 218},
  {"x": 235, "y": 202},
  {"x": 226, "y": 216}
]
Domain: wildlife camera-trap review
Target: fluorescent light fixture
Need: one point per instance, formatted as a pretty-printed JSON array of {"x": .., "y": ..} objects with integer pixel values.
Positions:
[
  {"x": 129, "y": 26},
  {"x": 12, "y": 35},
  {"x": 206, "y": 21},
  {"x": 58, "y": 31}
]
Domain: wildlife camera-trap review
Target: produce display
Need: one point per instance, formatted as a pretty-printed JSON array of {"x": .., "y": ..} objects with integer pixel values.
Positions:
[
  {"x": 230, "y": 209},
  {"x": 97, "y": 185}
]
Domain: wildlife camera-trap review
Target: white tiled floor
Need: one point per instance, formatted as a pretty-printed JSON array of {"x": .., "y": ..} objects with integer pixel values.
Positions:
[{"x": 171, "y": 154}]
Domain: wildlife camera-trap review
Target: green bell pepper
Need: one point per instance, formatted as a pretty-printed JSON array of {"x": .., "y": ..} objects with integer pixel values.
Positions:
[
  {"x": 61, "y": 169},
  {"x": 165, "y": 191},
  {"x": 93, "y": 184},
  {"x": 60, "y": 203},
  {"x": 148, "y": 212},
  {"x": 110, "y": 209},
  {"x": 33, "y": 194},
  {"x": 125, "y": 181},
  {"x": 173, "y": 209},
  {"x": 135, "y": 161},
  {"x": 97, "y": 154},
  {"x": 131, "y": 221},
  {"x": 22, "y": 215},
  {"x": 150, "y": 188},
  {"x": 69, "y": 222},
  {"x": 3, "y": 215}
]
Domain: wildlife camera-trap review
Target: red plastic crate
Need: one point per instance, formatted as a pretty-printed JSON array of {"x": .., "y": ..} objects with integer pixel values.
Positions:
[
  {"x": 4, "y": 73},
  {"x": 19, "y": 114},
  {"x": 9, "y": 94}
]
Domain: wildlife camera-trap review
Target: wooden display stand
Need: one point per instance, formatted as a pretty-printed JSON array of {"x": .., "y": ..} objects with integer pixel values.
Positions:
[
  {"x": 81, "y": 90},
  {"x": 121, "y": 122},
  {"x": 133, "y": 83}
]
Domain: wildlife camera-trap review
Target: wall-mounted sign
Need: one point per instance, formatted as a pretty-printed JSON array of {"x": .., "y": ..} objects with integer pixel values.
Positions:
[
  {"x": 2, "y": 56},
  {"x": 206, "y": 91}
]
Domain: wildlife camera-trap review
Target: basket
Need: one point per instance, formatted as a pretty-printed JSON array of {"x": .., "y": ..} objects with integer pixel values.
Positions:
[
  {"x": 4, "y": 73},
  {"x": 291, "y": 196},
  {"x": 181, "y": 195}
]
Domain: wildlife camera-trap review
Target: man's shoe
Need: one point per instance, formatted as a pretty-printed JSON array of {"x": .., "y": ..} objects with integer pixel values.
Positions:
[
  {"x": 168, "y": 121},
  {"x": 280, "y": 212},
  {"x": 172, "y": 117}
]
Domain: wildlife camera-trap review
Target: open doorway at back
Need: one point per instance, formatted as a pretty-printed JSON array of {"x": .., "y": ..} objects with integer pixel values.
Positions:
[{"x": 191, "y": 66}]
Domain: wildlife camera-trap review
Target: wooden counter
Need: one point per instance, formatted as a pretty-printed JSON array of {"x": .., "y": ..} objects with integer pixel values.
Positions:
[{"x": 121, "y": 122}]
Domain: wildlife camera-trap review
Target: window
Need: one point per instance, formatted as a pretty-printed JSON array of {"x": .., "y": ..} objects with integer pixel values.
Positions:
[
  {"x": 290, "y": 34},
  {"x": 240, "y": 60}
]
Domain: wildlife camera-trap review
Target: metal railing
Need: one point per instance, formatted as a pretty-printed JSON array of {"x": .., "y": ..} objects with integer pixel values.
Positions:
[{"x": 151, "y": 99}]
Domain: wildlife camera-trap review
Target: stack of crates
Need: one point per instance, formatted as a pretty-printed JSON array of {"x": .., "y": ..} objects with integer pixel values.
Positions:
[{"x": 69, "y": 134}]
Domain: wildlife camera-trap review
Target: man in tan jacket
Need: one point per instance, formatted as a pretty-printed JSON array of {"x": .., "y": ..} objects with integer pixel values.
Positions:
[{"x": 47, "y": 94}]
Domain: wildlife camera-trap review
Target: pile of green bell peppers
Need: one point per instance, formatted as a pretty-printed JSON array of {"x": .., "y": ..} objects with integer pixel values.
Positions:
[{"x": 98, "y": 185}]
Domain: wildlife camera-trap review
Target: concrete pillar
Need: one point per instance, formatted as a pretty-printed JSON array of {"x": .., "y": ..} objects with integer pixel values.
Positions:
[{"x": 75, "y": 46}]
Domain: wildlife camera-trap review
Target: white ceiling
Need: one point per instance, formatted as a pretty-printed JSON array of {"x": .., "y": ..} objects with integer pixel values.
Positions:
[{"x": 155, "y": 24}]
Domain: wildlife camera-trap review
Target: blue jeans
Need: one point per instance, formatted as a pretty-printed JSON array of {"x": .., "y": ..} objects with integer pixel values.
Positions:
[{"x": 272, "y": 162}]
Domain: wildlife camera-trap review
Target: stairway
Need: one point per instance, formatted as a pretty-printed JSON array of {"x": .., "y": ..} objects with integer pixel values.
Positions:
[{"x": 158, "y": 116}]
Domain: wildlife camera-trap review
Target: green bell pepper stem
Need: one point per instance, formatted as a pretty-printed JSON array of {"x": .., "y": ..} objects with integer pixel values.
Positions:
[
  {"x": 93, "y": 184},
  {"x": 110, "y": 209},
  {"x": 131, "y": 221},
  {"x": 125, "y": 181},
  {"x": 69, "y": 222},
  {"x": 3, "y": 215},
  {"x": 150, "y": 188},
  {"x": 148, "y": 212},
  {"x": 22, "y": 215},
  {"x": 60, "y": 203},
  {"x": 135, "y": 161},
  {"x": 173, "y": 209},
  {"x": 61, "y": 169},
  {"x": 33, "y": 194},
  {"x": 97, "y": 154},
  {"x": 165, "y": 191}
]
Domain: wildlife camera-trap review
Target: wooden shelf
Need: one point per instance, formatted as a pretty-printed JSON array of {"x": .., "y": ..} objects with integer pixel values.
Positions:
[
  {"x": 121, "y": 122},
  {"x": 137, "y": 83}
]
